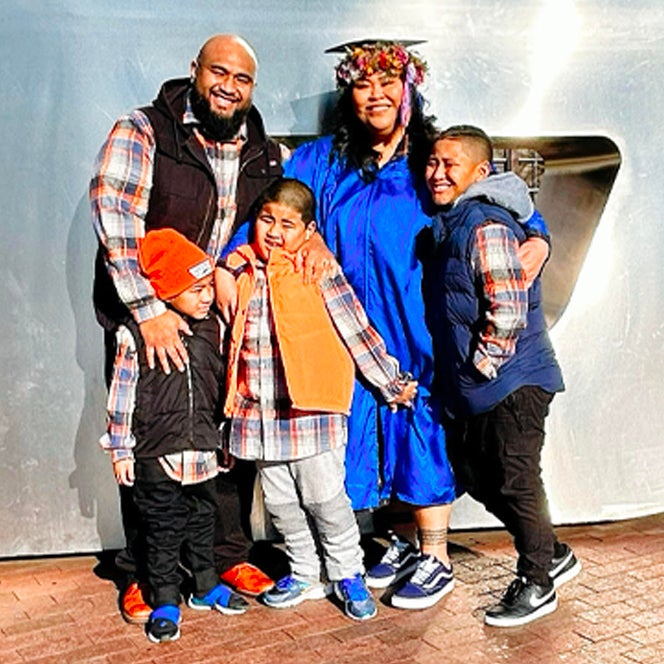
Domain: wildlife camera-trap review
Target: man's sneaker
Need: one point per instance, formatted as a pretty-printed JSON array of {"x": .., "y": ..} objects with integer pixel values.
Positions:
[
  {"x": 247, "y": 579},
  {"x": 430, "y": 582},
  {"x": 564, "y": 567},
  {"x": 222, "y": 599},
  {"x": 401, "y": 558},
  {"x": 291, "y": 591},
  {"x": 523, "y": 602},
  {"x": 358, "y": 602},
  {"x": 133, "y": 606},
  {"x": 164, "y": 624}
]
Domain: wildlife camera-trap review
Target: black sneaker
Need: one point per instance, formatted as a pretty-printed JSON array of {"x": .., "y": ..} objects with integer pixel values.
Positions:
[
  {"x": 523, "y": 602},
  {"x": 564, "y": 567}
]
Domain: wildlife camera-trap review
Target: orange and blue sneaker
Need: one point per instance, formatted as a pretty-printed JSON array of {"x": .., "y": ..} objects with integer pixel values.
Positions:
[
  {"x": 133, "y": 606},
  {"x": 247, "y": 579}
]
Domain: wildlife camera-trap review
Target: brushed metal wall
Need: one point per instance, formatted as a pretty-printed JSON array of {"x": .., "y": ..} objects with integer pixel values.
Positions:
[{"x": 545, "y": 71}]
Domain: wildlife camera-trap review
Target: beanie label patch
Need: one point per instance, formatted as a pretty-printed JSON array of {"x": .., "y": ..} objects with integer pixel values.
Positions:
[{"x": 201, "y": 269}]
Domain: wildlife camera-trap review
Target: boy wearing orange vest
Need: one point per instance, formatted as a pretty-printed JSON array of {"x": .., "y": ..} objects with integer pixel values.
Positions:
[{"x": 293, "y": 352}]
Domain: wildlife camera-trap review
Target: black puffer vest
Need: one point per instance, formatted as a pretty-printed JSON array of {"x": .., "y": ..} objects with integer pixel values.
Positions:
[
  {"x": 181, "y": 410},
  {"x": 184, "y": 190}
]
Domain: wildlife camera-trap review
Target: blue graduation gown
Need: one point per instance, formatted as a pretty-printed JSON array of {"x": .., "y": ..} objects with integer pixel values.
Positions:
[{"x": 372, "y": 229}]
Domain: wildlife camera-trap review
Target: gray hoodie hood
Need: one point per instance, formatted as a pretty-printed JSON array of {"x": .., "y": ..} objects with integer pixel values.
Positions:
[{"x": 507, "y": 190}]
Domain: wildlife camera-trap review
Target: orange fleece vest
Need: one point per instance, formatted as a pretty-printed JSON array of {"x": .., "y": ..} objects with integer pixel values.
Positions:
[{"x": 318, "y": 367}]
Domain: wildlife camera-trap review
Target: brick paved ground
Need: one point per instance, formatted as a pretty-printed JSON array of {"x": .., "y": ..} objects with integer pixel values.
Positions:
[{"x": 64, "y": 610}]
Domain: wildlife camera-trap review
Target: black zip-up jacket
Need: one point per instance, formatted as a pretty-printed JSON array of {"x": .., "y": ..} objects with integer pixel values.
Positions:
[
  {"x": 184, "y": 190},
  {"x": 181, "y": 410}
]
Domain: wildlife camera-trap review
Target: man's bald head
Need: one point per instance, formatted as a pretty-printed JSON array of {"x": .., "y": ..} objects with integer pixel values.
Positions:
[
  {"x": 225, "y": 42},
  {"x": 223, "y": 77}
]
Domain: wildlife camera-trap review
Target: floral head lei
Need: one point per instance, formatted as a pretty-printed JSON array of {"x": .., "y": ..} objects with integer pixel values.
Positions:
[{"x": 388, "y": 57}]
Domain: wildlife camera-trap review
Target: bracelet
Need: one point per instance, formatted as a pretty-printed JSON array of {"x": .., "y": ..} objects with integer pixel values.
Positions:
[{"x": 405, "y": 377}]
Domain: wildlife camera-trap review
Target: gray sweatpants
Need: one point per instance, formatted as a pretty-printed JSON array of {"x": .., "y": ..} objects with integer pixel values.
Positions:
[{"x": 307, "y": 501}]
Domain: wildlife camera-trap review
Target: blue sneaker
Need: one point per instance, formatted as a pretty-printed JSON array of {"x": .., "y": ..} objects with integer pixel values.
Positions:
[
  {"x": 291, "y": 591},
  {"x": 222, "y": 599},
  {"x": 164, "y": 624},
  {"x": 358, "y": 602},
  {"x": 430, "y": 582},
  {"x": 400, "y": 559}
]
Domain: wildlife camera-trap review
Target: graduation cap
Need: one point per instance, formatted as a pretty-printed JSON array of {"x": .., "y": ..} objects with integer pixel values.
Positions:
[{"x": 349, "y": 46}]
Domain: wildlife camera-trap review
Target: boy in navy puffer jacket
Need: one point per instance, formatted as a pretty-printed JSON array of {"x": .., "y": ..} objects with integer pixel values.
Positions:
[{"x": 496, "y": 369}]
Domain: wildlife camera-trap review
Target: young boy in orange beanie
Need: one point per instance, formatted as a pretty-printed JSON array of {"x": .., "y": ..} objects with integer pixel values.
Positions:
[
  {"x": 163, "y": 434},
  {"x": 292, "y": 358}
]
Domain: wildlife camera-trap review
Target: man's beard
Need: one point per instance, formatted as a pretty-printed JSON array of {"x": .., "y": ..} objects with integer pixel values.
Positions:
[{"x": 214, "y": 126}]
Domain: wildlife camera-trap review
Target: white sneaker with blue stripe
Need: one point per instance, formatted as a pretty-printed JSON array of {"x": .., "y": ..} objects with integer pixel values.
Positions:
[{"x": 430, "y": 582}]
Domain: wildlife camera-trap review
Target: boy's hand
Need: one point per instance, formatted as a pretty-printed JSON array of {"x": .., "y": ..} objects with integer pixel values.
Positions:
[
  {"x": 225, "y": 460},
  {"x": 315, "y": 260},
  {"x": 225, "y": 290},
  {"x": 124, "y": 472},
  {"x": 162, "y": 336},
  {"x": 405, "y": 397}
]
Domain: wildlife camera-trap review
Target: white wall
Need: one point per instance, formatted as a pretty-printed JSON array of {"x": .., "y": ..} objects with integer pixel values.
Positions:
[{"x": 68, "y": 68}]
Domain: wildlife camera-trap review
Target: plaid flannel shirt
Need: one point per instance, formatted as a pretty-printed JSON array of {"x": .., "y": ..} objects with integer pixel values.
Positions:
[
  {"x": 497, "y": 268},
  {"x": 266, "y": 426},
  {"x": 186, "y": 467},
  {"x": 120, "y": 195}
]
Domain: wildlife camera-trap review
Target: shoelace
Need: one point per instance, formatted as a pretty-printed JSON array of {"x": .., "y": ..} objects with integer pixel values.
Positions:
[
  {"x": 514, "y": 589},
  {"x": 287, "y": 583},
  {"x": 424, "y": 569},
  {"x": 393, "y": 552}
]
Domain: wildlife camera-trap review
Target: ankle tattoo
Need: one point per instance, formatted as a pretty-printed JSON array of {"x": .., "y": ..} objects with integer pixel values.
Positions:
[{"x": 432, "y": 536}]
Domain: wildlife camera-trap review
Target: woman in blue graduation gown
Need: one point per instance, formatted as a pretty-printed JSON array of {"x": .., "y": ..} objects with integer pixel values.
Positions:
[{"x": 370, "y": 214}]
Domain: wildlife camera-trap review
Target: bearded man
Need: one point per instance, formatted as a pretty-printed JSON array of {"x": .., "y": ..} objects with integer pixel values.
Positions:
[{"x": 194, "y": 160}]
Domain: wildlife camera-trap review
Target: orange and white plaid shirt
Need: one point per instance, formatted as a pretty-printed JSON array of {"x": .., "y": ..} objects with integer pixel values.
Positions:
[{"x": 120, "y": 195}]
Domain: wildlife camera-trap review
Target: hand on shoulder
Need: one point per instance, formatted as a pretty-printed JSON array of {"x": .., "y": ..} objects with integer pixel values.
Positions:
[{"x": 162, "y": 338}]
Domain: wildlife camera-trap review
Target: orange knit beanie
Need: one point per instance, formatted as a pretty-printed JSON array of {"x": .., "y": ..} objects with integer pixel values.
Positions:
[{"x": 171, "y": 262}]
